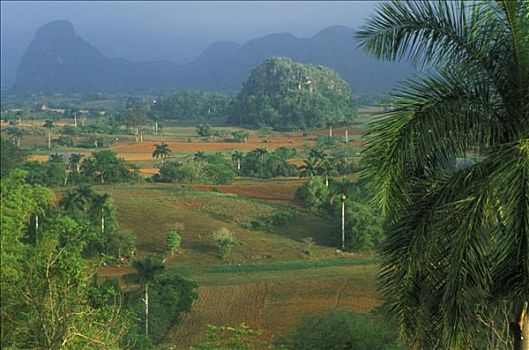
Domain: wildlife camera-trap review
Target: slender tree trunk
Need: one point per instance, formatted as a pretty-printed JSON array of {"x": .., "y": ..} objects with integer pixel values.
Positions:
[
  {"x": 346, "y": 136},
  {"x": 520, "y": 326},
  {"x": 238, "y": 166},
  {"x": 147, "y": 309},
  {"x": 66, "y": 177},
  {"x": 49, "y": 139},
  {"x": 141, "y": 137},
  {"x": 102, "y": 178},
  {"x": 18, "y": 142},
  {"x": 102, "y": 222},
  {"x": 19, "y": 120},
  {"x": 156, "y": 126},
  {"x": 330, "y": 131},
  {"x": 75, "y": 119},
  {"x": 343, "y": 224},
  {"x": 326, "y": 180}
]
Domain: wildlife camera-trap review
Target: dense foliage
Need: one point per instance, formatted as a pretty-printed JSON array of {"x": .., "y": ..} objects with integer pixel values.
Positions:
[
  {"x": 341, "y": 329},
  {"x": 264, "y": 164},
  {"x": 210, "y": 168},
  {"x": 284, "y": 94},
  {"x": 364, "y": 229},
  {"x": 46, "y": 281},
  {"x": 458, "y": 238},
  {"x": 10, "y": 156},
  {"x": 170, "y": 296},
  {"x": 190, "y": 105},
  {"x": 102, "y": 167}
]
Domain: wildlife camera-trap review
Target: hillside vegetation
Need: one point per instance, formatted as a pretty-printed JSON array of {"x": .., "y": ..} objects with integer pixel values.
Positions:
[{"x": 284, "y": 94}]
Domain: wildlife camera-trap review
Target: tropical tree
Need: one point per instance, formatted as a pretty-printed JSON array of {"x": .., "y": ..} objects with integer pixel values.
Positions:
[
  {"x": 16, "y": 134},
  {"x": 309, "y": 169},
  {"x": 146, "y": 271},
  {"x": 48, "y": 124},
  {"x": 172, "y": 241},
  {"x": 237, "y": 157},
  {"x": 161, "y": 151},
  {"x": 100, "y": 208},
  {"x": 326, "y": 169},
  {"x": 75, "y": 161},
  {"x": 458, "y": 245},
  {"x": 78, "y": 199},
  {"x": 199, "y": 157}
]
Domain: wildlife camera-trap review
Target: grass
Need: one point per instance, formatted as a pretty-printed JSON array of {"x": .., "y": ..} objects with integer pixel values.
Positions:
[{"x": 274, "y": 266}]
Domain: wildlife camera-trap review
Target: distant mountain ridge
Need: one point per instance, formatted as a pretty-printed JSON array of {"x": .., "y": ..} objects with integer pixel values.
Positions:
[{"x": 58, "y": 60}]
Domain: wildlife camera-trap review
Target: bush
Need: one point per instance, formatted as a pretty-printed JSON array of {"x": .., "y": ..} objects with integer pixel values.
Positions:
[
  {"x": 341, "y": 329},
  {"x": 173, "y": 241},
  {"x": 225, "y": 241},
  {"x": 282, "y": 217}
]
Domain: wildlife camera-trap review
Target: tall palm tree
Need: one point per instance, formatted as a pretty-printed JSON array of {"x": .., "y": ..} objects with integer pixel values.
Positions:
[
  {"x": 237, "y": 156},
  {"x": 318, "y": 155},
  {"x": 161, "y": 151},
  {"x": 458, "y": 239},
  {"x": 78, "y": 199},
  {"x": 309, "y": 169},
  {"x": 146, "y": 271},
  {"x": 100, "y": 208},
  {"x": 48, "y": 124},
  {"x": 75, "y": 160},
  {"x": 16, "y": 134},
  {"x": 261, "y": 153},
  {"x": 327, "y": 168}
]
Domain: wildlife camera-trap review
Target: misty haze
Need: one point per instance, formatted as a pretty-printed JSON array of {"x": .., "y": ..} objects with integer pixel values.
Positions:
[{"x": 239, "y": 175}]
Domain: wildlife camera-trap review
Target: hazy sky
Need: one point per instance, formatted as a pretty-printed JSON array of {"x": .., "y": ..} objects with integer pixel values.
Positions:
[{"x": 177, "y": 31}]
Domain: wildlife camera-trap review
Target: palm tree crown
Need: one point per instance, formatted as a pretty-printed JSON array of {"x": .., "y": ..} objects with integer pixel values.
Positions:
[
  {"x": 161, "y": 151},
  {"x": 458, "y": 238}
]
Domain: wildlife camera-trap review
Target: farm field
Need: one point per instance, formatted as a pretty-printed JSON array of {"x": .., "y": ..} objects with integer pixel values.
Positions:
[
  {"x": 274, "y": 301},
  {"x": 267, "y": 281}
]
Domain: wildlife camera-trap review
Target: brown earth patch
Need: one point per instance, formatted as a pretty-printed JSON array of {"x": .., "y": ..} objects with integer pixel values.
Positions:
[{"x": 272, "y": 307}]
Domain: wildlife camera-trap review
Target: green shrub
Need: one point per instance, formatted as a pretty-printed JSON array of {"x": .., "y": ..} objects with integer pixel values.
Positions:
[
  {"x": 225, "y": 241},
  {"x": 341, "y": 329},
  {"x": 173, "y": 241}
]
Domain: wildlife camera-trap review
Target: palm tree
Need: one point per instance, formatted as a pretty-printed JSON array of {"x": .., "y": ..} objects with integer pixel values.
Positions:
[
  {"x": 260, "y": 154},
  {"x": 318, "y": 155},
  {"x": 199, "y": 157},
  {"x": 309, "y": 169},
  {"x": 237, "y": 156},
  {"x": 48, "y": 124},
  {"x": 101, "y": 207},
  {"x": 78, "y": 199},
  {"x": 458, "y": 239},
  {"x": 327, "y": 168},
  {"x": 16, "y": 134},
  {"x": 146, "y": 271},
  {"x": 75, "y": 160},
  {"x": 161, "y": 151}
]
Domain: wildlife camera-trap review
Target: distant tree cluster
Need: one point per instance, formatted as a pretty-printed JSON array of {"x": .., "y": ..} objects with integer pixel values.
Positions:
[
  {"x": 284, "y": 94},
  {"x": 264, "y": 164},
  {"x": 364, "y": 228},
  {"x": 101, "y": 167},
  {"x": 201, "y": 168},
  {"x": 191, "y": 105}
]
